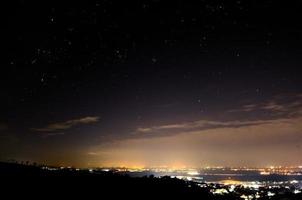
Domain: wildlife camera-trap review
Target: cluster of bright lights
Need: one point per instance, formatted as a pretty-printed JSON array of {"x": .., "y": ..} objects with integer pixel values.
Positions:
[
  {"x": 219, "y": 191},
  {"x": 248, "y": 197},
  {"x": 228, "y": 186},
  {"x": 50, "y": 168}
]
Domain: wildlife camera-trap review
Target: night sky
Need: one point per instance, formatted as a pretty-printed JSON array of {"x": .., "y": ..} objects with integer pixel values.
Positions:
[{"x": 152, "y": 83}]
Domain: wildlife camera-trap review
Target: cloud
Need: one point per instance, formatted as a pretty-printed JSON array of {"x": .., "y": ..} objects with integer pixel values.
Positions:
[
  {"x": 245, "y": 108},
  {"x": 290, "y": 104},
  {"x": 282, "y": 107},
  {"x": 144, "y": 130},
  {"x": 67, "y": 124},
  {"x": 169, "y": 129},
  {"x": 92, "y": 153}
]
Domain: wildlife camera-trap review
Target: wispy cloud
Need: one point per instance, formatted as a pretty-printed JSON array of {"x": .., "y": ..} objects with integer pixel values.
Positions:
[
  {"x": 92, "y": 153},
  {"x": 245, "y": 108},
  {"x": 198, "y": 125},
  {"x": 59, "y": 126},
  {"x": 144, "y": 130},
  {"x": 282, "y": 108},
  {"x": 280, "y": 105}
]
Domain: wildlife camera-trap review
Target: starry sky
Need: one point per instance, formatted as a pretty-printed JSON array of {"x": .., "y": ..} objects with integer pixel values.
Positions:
[{"x": 152, "y": 83}]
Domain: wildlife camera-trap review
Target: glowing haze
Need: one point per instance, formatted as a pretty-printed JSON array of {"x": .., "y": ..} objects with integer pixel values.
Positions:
[{"x": 240, "y": 142}]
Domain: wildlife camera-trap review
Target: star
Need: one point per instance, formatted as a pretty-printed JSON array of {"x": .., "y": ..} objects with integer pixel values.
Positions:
[
  {"x": 51, "y": 19},
  {"x": 154, "y": 60}
]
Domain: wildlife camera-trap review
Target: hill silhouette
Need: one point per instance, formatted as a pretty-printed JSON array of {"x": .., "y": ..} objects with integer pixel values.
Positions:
[{"x": 31, "y": 180}]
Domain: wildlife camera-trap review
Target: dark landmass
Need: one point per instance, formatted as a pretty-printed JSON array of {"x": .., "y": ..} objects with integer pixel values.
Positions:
[{"x": 22, "y": 179}]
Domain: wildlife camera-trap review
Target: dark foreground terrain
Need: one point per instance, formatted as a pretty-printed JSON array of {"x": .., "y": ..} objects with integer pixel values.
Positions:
[{"x": 37, "y": 182}]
